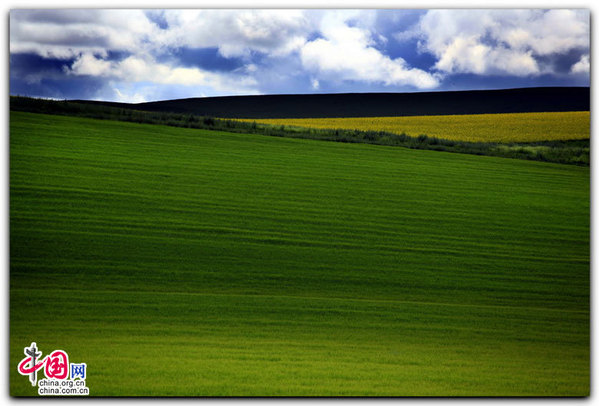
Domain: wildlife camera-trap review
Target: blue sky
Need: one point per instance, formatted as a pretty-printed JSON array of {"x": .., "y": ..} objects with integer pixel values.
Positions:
[{"x": 143, "y": 55}]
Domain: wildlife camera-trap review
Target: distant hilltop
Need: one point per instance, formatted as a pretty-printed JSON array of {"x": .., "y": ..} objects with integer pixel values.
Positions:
[{"x": 539, "y": 99}]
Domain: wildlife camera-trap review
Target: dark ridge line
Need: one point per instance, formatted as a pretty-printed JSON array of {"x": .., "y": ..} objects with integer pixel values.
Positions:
[{"x": 519, "y": 100}]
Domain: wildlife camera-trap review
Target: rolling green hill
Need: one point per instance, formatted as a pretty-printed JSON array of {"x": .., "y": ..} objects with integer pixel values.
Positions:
[
  {"x": 535, "y": 99},
  {"x": 559, "y": 137},
  {"x": 198, "y": 263}
]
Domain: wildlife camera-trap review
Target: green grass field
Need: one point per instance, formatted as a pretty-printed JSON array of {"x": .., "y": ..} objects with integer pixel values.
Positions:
[
  {"x": 194, "y": 263},
  {"x": 510, "y": 127}
]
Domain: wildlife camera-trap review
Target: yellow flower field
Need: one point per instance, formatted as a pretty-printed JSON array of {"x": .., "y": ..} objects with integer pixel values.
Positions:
[{"x": 511, "y": 127}]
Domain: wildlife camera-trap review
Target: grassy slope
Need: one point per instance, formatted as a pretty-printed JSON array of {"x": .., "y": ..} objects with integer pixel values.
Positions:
[
  {"x": 511, "y": 127},
  {"x": 540, "y": 125},
  {"x": 184, "y": 262}
]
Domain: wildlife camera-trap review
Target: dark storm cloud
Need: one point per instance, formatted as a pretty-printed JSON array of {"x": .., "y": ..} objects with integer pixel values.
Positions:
[
  {"x": 158, "y": 18},
  {"x": 561, "y": 64},
  {"x": 24, "y": 65},
  {"x": 58, "y": 88},
  {"x": 204, "y": 58},
  {"x": 469, "y": 81}
]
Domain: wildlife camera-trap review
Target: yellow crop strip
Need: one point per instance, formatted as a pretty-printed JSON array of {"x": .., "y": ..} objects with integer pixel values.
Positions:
[{"x": 511, "y": 127}]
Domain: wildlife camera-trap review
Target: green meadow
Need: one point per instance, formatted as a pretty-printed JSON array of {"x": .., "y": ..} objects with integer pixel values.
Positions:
[{"x": 185, "y": 262}]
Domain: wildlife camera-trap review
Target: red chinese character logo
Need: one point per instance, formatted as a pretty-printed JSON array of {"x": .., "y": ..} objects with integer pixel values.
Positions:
[
  {"x": 57, "y": 365},
  {"x": 26, "y": 366}
]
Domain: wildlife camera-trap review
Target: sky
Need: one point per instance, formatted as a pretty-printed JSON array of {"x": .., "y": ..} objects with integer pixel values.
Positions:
[{"x": 138, "y": 55}]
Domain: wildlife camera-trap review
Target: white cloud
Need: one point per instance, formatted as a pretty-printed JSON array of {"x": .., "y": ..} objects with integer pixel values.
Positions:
[
  {"x": 136, "y": 69},
  {"x": 281, "y": 33},
  {"x": 501, "y": 41},
  {"x": 237, "y": 32},
  {"x": 582, "y": 66},
  {"x": 469, "y": 55},
  {"x": 87, "y": 35},
  {"x": 347, "y": 53},
  {"x": 129, "y": 98},
  {"x": 68, "y": 33},
  {"x": 87, "y": 64},
  {"x": 282, "y": 48}
]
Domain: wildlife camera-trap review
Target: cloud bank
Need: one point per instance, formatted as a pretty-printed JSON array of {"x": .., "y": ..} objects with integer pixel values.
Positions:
[
  {"x": 487, "y": 42},
  {"x": 140, "y": 55}
]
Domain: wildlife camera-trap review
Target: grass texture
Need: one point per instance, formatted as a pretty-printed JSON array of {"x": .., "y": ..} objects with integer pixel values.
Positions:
[
  {"x": 183, "y": 262},
  {"x": 508, "y": 127},
  {"x": 575, "y": 152}
]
